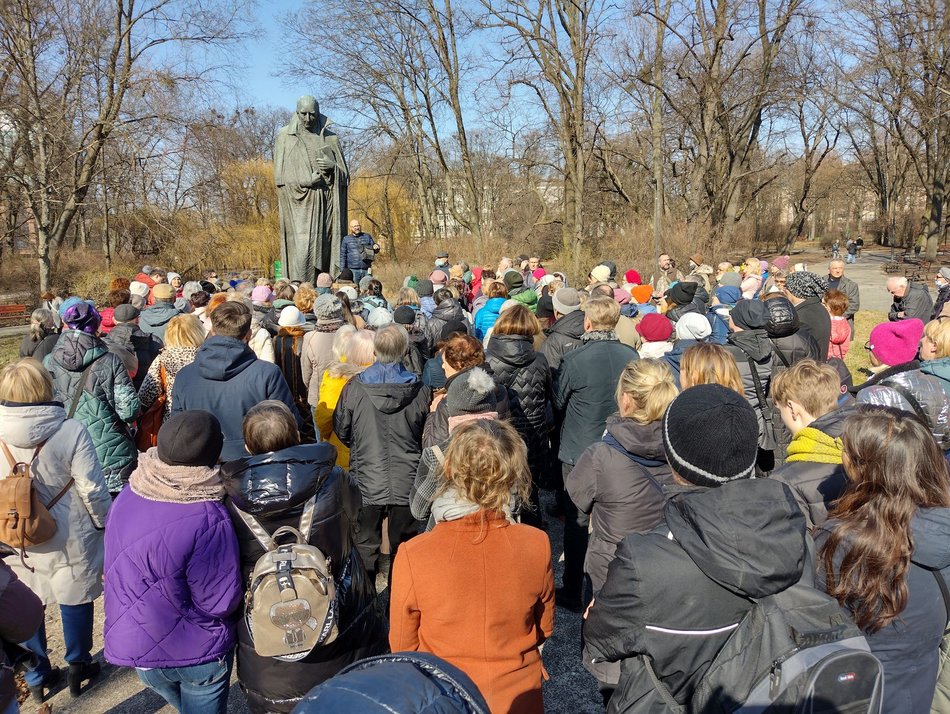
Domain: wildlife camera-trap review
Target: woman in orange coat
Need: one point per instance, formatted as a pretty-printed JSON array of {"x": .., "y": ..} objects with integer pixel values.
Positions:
[{"x": 477, "y": 590}]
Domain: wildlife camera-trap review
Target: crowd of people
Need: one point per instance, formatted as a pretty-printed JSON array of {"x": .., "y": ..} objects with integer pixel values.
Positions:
[{"x": 706, "y": 445}]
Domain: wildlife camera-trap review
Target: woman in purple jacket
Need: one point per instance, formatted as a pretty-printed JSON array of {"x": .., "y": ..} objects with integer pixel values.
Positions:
[{"x": 172, "y": 572}]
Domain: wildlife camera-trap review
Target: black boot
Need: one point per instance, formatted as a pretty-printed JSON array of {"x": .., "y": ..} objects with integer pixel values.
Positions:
[
  {"x": 79, "y": 673},
  {"x": 51, "y": 679}
]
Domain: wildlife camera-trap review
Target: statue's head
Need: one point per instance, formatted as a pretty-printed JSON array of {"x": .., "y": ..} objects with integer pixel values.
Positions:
[{"x": 308, "y": 112}]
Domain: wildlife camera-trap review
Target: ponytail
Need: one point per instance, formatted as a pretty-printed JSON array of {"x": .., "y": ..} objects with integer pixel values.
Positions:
[{"x": 649, "y": 382}]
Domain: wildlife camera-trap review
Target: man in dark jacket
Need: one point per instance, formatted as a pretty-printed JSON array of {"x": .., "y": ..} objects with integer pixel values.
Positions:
[
  {"x": 584, "y": 392},
  {"x": 568, "y": 328},
  {"x": 351, "y": 251},
  {"x": 805, "y": 291},
  {"x": 838, "y": 281},
  {"x": 380, "y": 417},
  {"x": 127, "y": 339},
  {"x": 675, "y": 595},
  {"x": 751, "y": 348},
  {"x": 682, "y": 299},
  {"x": 154, "y": 319},
  {"x": 227, "y": 379},
  {"x": 806, "y": 396},
  {"x": 910, "y": 301}
]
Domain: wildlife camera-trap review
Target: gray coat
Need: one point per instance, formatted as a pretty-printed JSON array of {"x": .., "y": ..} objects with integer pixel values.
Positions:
[
  {"x": 69, "y": 566},
  {"x": 916, "y": 303},
  {"x": 853, "y": 293}
]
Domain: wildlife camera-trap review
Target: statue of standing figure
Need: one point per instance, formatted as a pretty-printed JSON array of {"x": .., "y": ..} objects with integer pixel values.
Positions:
[{"x": 312, "y": 178}]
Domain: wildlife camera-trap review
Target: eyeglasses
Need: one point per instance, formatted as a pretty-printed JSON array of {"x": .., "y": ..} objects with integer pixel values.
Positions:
[{"x": 867, "y": 346}]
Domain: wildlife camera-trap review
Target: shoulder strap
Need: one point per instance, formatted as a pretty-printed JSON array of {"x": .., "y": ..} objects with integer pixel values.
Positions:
[
  {"x": 163, "y": 379},
  {"x": 266, "y": 539},
  {"x": 79, "y": 387},
  {"x": 439, "y": 455},
  {"x": 945, "y": 593},
  {"x": 759, "y": 391},
  {"x": 781, "y": 355},
  {"x": 661, "y": 689},
  {"x": 6, "y": 452},
  {"x": 60, "y": 494},
  {"x": 909, "y": 398}
]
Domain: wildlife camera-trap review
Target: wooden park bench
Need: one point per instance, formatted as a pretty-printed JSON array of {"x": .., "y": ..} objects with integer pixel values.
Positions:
[
  {"x": 14, "y": 315},
  {"x": 918, "y": 271}
]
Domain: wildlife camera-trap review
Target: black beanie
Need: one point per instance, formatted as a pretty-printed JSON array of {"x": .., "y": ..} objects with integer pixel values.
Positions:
[
  {"x": 545, "y": 307},
  {"x": 471, "y": 392},
  {"x": 404, "y": 315},
  {"x": 452, "y": 327},
  {"x": 682, "y": 293},
  {"x": 424, "y": 288},
  {"x": 711, "y": 436},
  {"x": 750, "y": 314},
  {"x": 345, "y": 275},
  {"x": 191, "y": 438}
]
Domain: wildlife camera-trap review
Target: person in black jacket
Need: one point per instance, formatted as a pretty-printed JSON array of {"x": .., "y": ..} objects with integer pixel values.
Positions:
[
  {"x": 911, "y": 301},
  {"x": 682, "y": 299},
  {"x": 447, "y": 310},
  {"x": 806, "y": 396},
  {"x": 128, "y": 338},
  {"x": 676, "y": 594},
  {"x": 514, "y": 363},
  {"x": 791, "y": 340},
  {"x": 584, "y": 392},
  {"x": 380, "y": 417},
  {"x": 273, "y": 485},
  {"x": 805, "y": 291},
  {"x": 568, "y": 328}
]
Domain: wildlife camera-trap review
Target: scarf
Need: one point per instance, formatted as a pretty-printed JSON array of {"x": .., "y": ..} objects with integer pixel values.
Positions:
[
  {"x": 815, "y": 446},
  {"x": 155, "y": 480},
  {"x": 451, "y": 506},
  {"x": 600, "y": 336},
  {"x": 327, "y": 326}
]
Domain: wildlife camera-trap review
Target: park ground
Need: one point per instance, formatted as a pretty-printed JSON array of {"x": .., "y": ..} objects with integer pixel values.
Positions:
[{"x": 571, "y": 690}]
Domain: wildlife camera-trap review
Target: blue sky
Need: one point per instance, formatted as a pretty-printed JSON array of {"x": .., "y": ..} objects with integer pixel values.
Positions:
[{"x": 261, "y": 87}]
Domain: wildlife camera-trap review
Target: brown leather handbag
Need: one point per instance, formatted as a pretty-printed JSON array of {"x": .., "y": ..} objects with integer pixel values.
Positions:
[{"x": 151, "y": 421}]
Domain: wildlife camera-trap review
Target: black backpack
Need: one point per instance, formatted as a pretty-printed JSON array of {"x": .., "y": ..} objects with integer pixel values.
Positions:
[{"x": 794, "y": 652}]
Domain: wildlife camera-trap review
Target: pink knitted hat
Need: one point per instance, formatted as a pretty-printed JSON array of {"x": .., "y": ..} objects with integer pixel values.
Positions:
[{"x": 894, "y": 343}]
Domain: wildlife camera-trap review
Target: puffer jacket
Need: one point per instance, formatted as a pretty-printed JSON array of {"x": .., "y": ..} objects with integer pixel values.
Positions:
[
  {"x": 791, "y": 340},
  {"x": 155, "y": 319},
  {"x": 380, "y": 417},
  {"x": 562, "y": 337},
  {"x": 399, "y": 682},
  {"x": 815, "y": 485},
  {"x": 21, "y": 614},
  {"x": 68, "y": 567},
  {"x": 525, "y": 374},
  {"x": 528, "y": 298},
  {"x": 697, "y": 305},
  {"x": 227, "y": 379},
  {"x": 755, "y": 344},
  {"x": 108, "y": 401},
  {"x": 437, "y": 424},
  {"x": 447, "y": 311},
  {"x": 487, "y": 316},
  {"x": 172, "y": 582},
  {"x": 939, "y": 368},
  {"x": 695, "y": 575},
  {"x": 584, "y": 392},
  {"x": 273, "y": 488},
  {"x": 146, "y": 348},
  {"x": 350, "y": 251},
  {"x": 813, "y": 315},
  {"x": 618, "y": 481},
  {"x": 927, "y": 391},
  {"x": 908, "y": 647}
]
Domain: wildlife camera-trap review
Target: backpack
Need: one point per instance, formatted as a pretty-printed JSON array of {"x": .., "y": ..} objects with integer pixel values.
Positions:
[
  {"x": 793, "y": 652},
  {"x": 290, "y": 606},
  {"x": 25, "y": 520}
]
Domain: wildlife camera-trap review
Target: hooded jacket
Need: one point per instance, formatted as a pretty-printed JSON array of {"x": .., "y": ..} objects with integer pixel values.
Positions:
[
  {"x": 562, "y": 337},
  {"x": 487, "y": 316},
  {"x": 528, "y": 298},
  {"x": 753, "y": 344},
  {"x": 68, "y": 567},
  {"x": 584, "y": 391},
  {"x": 380, "y": 417},
  {"x": 939, "y": 368},
  {"x": 273, "y": 488},
  {"x": 926, "y": 390},
  {"x": 816, "y": 486},
  {"x": 146, "y": 347},
  {"x": 227, "y": 379},
  {"x": 675, "y": 356},
  {"x": 447, "y": 311},
  {"x": 791, "y": 340},
  {"x": 677, "y": 593},
  {"x": 107, "y": 403},
  {"x": 525, "y": 374},
  {"x": 813, "y": 315},
  {"x": 155, "y": 319},
  {"x": 908, "y": 648}
]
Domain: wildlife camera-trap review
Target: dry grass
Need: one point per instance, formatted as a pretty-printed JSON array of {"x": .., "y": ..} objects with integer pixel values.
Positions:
[
  {"x": 9, "y": 349},
  {"x": 857, "y": 358}
]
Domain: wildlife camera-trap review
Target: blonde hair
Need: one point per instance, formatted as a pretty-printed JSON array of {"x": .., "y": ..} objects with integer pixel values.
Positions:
[
  {"x": 517, "y": 320},
  {"x": 341, "y": 339},
  {"x": 184, "y": 331},
  {"x": 407, "y": 296},
  {"x": 487, "y": 462},
  {"x": 752, "y": 265},
  {"x": 706, "y": 363},
  {"x": 649, "y": 383},
  {"x": 938, "y": 332},
  {"x": 304, "y": 298},
  {"x": 26, "y": 382},
  {"x": 603, "y": 313},
  {"x": 361, "y": 348},
  {"x": 815, "y": 386}
]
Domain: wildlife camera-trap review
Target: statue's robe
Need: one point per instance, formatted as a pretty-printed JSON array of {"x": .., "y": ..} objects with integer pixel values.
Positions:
[{"x": 312, "y": 216}]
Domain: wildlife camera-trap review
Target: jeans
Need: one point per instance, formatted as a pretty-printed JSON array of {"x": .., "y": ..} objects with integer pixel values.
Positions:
[
  {"x": 77, "y": 632},
  {"x": 359, "y": 275},
  {"x": 199, "y": 689},
  {"x": 852, "y": 258},
  {"x": 575, "y": 541}
]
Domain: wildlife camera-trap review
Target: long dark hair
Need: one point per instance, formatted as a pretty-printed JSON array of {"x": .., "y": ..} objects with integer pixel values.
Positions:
[{"x": 894, "y": 467}]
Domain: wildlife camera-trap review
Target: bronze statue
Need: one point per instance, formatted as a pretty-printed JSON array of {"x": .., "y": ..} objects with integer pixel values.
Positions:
[{"x": 312, "y": 178}]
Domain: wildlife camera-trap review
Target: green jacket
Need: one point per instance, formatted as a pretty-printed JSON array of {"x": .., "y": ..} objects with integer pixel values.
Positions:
[{"x": 528, "y": 298}]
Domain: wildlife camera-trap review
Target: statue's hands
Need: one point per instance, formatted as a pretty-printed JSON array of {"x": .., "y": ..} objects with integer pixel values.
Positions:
[{"x": 325, "y": 165}]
